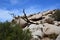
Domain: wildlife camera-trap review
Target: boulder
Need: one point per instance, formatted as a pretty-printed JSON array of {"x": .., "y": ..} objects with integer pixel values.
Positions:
[
  {"x": 36, "y": 31},
  {"x": 51, "y": 29},
  {"x": 48, "y": 19},
  {"x": 34, "y": 27},
  {"x": 20, "y": 21},
  {"x": 35, "y": 17},
  {"x": 47, "y": 12}
]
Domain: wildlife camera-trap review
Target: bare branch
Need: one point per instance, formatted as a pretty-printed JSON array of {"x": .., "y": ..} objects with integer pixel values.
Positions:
[
  {"x": 25, "y": 15},
  {"x": 27, "y": 18}
]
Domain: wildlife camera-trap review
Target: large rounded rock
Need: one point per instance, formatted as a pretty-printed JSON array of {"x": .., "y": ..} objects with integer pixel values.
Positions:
[
  {"x": 48, "y": 19},
  {"x": 51, "y": 29},
  {"x": 34, "y": 27},
  {"x": 36, "y": 31},
  {"x": 35, "y": 17},
  {"x": 20, "y": 21}
]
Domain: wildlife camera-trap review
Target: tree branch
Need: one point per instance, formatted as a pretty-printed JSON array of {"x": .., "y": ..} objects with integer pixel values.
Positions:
[{"x": 27, "y": 18}]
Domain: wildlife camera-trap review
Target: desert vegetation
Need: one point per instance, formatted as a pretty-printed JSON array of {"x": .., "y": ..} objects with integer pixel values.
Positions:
[
  {"x": 13, "y": 32},
  {"x": 56, "y": 15}
]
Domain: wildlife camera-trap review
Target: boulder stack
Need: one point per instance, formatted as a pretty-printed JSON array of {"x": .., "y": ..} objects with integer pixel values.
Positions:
[{"x": 42, "y": 25}]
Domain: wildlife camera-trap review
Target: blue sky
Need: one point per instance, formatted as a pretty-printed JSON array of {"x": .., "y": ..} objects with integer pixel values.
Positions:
[{"x": 31, "y": 6}]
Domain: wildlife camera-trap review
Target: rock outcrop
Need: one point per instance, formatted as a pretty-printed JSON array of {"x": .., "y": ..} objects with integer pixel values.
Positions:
[{"x": 43, "y": 25}]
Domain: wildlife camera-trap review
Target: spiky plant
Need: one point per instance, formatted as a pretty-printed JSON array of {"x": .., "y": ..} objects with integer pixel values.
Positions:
[{"x": 10, "y": 32}]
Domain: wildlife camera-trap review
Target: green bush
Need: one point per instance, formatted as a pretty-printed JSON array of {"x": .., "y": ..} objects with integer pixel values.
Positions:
[
  {"x": 56, "y": 15},
  {"x": 13, "y": 32}
]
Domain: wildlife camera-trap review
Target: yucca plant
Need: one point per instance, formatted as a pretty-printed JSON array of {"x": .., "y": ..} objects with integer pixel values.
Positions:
[{"x": 10, "y": 32}]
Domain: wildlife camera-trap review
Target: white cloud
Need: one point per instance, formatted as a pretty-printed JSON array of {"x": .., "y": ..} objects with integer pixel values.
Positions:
[{"x": 5, "y": 14}]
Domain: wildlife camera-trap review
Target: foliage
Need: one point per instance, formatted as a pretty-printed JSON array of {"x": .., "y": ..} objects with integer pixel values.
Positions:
[
  {"x": 56, "y": 15},
  {"x": 13, "y": 32}
]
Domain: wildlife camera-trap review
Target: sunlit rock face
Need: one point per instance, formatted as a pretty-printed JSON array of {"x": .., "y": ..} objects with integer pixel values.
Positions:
[
  {"x": 35, "y": 38},
  {"x": 37, "y": 33},
  {"x": 34, "y": 27},
  {"x": 48, "y": 20},
  {"x": 36, "y": 30},
  {"x": 20, "y": 21},
  {"x": 37, "y": 16},
  {"x": 50, "y": 29},
  {"x": 47, "y": 26}
]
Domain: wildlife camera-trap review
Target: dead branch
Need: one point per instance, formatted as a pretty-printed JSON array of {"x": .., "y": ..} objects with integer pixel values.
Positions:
[
  {"x": 25, "y": 15},
  {"x": 27, "y": 20}
]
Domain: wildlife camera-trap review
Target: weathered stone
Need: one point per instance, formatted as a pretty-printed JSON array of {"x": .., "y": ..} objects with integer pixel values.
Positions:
[
  {"x": 47, "y": 12},
  {"x": 35, "y": 38},
  {"x": 58, "y": 38},
  {"x": 47, "y": 25},
  {"x": 35, "y": 17},
  {"x": 48, "y": 20},
  {"x": 21, "y": 22},
  {"x": 56, "y": 23},
  {"x": 46, "y": 38},
  {"x": 51, "y": 29},
  {"x": 38, "y": 33}
]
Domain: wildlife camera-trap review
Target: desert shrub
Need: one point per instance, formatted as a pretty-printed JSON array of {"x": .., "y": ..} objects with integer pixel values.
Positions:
[
  {"x": 10, "y": 32},
  {"x": 56, "y": 15}
]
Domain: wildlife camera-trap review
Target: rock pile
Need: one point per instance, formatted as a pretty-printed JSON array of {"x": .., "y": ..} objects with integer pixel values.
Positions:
[{"x": 47, "y": 28}]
